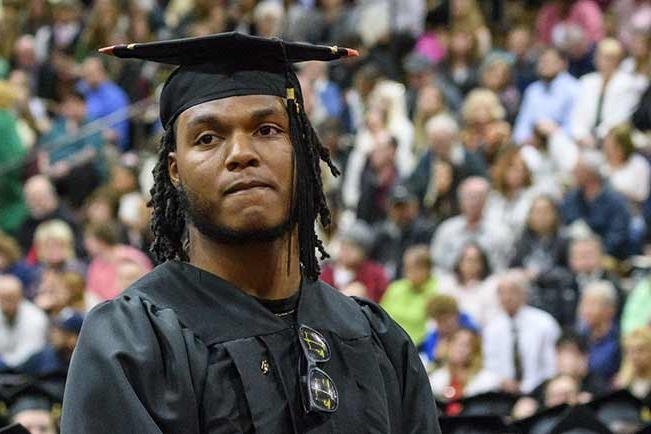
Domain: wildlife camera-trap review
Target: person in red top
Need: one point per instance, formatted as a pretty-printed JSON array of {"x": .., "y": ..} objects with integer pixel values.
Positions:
[{"x": 351, "y": 266}]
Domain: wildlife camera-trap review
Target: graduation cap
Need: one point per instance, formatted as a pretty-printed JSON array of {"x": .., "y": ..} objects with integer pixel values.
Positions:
[
  {"x": 225, "y": 64},
  {"x": 36, "y": 396},
  {"x": 542, "y": 422},
  {"x": 472, "y": 425},
  {"x": 489, "y": 403},
  {"x": 618, "y": 409},
  {"x": 15, "y": 428},
  {"x": 233, "y": 64}
]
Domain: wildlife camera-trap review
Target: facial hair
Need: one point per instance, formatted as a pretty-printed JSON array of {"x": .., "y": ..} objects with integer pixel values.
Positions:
[{"x": 198, "y": 214}]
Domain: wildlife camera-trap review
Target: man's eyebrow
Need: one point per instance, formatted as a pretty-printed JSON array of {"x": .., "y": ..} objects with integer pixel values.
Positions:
[
  {"x": 206, "y": 118},
  {"x": 260, "y": 114}
]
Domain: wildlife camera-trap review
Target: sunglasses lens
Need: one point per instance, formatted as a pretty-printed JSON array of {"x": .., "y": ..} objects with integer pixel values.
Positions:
[
  {"x": 323, "y": 392},
  {"x": 314, "y": 345}
]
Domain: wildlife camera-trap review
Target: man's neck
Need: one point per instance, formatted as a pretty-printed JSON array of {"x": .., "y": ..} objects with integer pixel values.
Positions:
[{"x": 258, "y": 268}]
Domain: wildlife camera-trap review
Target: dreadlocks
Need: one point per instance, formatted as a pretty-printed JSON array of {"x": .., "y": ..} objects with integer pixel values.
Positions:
[{"x": 308, "y": 201}]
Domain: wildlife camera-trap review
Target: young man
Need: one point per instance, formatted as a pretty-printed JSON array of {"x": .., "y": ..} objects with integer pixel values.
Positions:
[{"x": 234, "y": 332}]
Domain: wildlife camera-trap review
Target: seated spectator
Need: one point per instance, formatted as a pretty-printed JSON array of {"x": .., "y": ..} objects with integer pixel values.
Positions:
[
  {"x": 74, "y": 162},
  {"x": 402, "y": 229},
  {"x": 460, "y": 66},
  {"x": 635, "y": 372},
  {"x": 550, "y": 99},
  {"x": 519, "y": 44},
  {"x": 597, "y": 310},
  {"x": 11, "y": 261},
  {"x": 595, "y": 203},
  {"x": 54, "y": 249},
  {"x": 637, "y": 310},
  {"x": 464, "y": 374},
  {"x": 556, "y": 17},
  {"x": 430, "y": 102},
  {"x": 496, "y": 74},
  {"x": 55, "y": 356},
  {"x": 351, "y": 263},
  {"x": 485, "y": 130},
  {"x": 23, "y": 326},
  {"x": 406, "y": 299},
  {"x": 542, "y": 246},
  {"x": 512, "y": 194},
  {"x": 638, "y": 63},
  {"x": 572, "y": 361},
  {"x": 33, "y": 409},
  {"x": 102, "y": 244},
  {"x": 562, "y": 389},
  {"x": 468, "y": 15},
  {"x": 519, "y": 342},
  {"x": 104, "y": 97},
  {"x": 131, "y": 265},
  {"x": 628, "y": 172},
  {"x": 472, "y": 285},
  {"x": 443, "y": 309},
  {"x": 472, "y": 224},
  {"x": 52, "y": 295},
  {"x": 606, "y": 98},
  {"x": 43, "y": 204},
  {"x": 445, "y": 156}
]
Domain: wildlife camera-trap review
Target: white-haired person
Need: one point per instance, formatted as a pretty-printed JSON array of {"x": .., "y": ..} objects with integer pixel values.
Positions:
[
  {"x": 519, "y": 343},
  {"x": 606, "y": 97},
  {"x": 598, "y": 324},
  {"x": 471, "y": 225},
  {"x": 442, "y": 167}
]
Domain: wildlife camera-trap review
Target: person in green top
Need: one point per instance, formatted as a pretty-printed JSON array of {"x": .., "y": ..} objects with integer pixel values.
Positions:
[
  {"x": 12, "y": 152},
  {"x": 406, "y": 299},
  {"x": 637, "y": 310}
]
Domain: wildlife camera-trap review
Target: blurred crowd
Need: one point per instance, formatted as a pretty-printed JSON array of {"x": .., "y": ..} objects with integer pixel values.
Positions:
[{"x": 496, "y": 159}]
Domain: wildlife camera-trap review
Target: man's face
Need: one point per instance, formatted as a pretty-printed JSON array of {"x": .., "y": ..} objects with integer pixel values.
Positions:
[
  {"x": 10, "y": 296},
  {"x": 585, "y": 257},
  {"x": 511, "y": 296},
  {"x": 570, "y": 361},
  {"x": 472, "y": 201},
  {"x": 594, "y": 311},
  {"x": 550, "y": 65},
  {"x": 233, "y": 167}
]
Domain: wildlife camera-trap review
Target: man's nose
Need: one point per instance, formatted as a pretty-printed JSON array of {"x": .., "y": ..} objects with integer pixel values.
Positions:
[{"x": 242, "y": 153}]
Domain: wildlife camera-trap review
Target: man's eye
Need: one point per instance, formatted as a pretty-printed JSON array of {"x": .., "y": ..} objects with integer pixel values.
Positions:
[
  {"x": 268, "y": 130},
  {"x": 207, "y": 139}
]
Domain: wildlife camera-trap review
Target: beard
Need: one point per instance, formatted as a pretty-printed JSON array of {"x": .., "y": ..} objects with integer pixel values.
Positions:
[{"x": 198, "y": 213}]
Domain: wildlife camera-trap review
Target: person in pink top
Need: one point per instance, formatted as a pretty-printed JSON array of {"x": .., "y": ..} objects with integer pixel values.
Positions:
[
  {"x": 556, "y": 17},
  {"x": 111, "y": 261}
]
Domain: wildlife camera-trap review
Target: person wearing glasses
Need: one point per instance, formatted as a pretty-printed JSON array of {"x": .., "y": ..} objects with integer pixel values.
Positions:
[{"x": 233, "y": 332}]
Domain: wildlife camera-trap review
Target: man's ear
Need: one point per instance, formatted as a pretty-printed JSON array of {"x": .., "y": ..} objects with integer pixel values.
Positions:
[{"x": 173, "y": 169}]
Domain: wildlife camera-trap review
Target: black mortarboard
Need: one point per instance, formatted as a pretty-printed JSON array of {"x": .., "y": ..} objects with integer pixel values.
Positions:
[
  {"x": 223, "y": 65},
  {"x": 15, "y": 428},
  {"x": 619, "y": 408},
  {"x": 489, "y": 403},
  {"x": 36, "y": 395},
  {"x": 542, "y": 422},
  {"x": 579, "y": 420},
  {"x": 472, "y": 425}
]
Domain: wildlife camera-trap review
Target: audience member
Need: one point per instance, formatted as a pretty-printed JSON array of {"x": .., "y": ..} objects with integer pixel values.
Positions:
[
  {"x": 351, "y": 263},
  {"x": 444, "y": 310},
  {"x": 635, "y": 371},
  {"x": 605, "y": 98},
  {"x": 595, "y": 203},
  {"x": 472, "y": 284},
  {"x": 402, "y": 229},
  {"x": 43, "y": 204},
  {"x": 597, "y": 315},
  {"x": 519, "y": 342},
  {"x": 471, "y": 224},
  {"x": 23, "y": 326},
  {"x": 550, "y": 99},
  {"x": 55, "y": 357},
  {"x": 406, "y": 299},
  {"x": 556, "y": 17},
  {"x": 464, "y": 373}
]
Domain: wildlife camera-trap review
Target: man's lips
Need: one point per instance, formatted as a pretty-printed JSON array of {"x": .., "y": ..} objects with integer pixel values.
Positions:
[{"x": 246, "y": 185}]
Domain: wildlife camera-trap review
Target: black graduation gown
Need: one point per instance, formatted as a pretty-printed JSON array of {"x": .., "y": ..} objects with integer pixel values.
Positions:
[{"x": 181, "y": 351}]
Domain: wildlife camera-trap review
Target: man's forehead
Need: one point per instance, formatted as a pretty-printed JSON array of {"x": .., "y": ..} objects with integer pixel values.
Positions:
[{"x": 244, "y": 106}]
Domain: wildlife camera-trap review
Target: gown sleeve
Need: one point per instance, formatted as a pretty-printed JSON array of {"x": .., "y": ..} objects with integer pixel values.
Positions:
[
  {"x": 418, "y": 410},
  {"x": 132, "y": 371}
]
